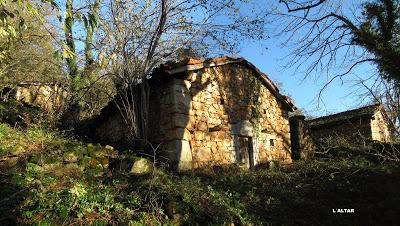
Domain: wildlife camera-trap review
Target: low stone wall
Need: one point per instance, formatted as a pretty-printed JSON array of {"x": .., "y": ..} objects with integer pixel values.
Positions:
[
  {"x": 354, "y": 132},
  {"x": 49, "y": 97}
]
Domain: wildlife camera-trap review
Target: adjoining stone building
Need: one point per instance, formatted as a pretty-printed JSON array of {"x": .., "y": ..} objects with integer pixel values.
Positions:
[
  {"x": 214, "y": 111},
  {"x": 365, "y": 124},
  {"x": 301, "y": 138}
]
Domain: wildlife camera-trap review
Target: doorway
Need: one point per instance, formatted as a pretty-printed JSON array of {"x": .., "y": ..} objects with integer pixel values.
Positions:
[{"x": 245, "y": 152}]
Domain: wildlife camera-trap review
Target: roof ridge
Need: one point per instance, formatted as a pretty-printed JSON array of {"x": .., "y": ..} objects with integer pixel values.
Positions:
[
  {"x": 364, "y": 110},
  {"x": 191, "y": 64},
  {"x": 192, "y": 61}
]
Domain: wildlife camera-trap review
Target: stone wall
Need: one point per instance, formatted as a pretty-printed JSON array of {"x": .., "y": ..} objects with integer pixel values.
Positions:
[
  {"x": 303, "y": 145},
  {"x": 353, "y": 131},
  {"x": 216, "y": 115},
  {"x": 49, "y": 97},
  {"x": 113, "y": 130},
  {"x": 381, "y": 131}
]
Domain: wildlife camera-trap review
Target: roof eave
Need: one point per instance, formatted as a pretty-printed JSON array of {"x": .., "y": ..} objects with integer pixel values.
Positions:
[{"x": 272, "y": 87}]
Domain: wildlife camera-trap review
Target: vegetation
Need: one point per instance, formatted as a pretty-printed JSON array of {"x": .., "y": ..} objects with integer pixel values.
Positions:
[
  {"x": 28, "y": 53},
  {"x": 48, "y": 178},
  {"x": 346, "y": 36}
]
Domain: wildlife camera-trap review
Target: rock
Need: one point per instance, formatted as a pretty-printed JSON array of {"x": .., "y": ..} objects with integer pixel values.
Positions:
[
  {"x": 188, "y": 84},
  {"x": 185, "y": 162},
  {"x": 202, "y": 126},
  {"x": 180, "y": 120},
  {"x": 8, "y": 163},
  {"x": 172, "y": 212},
  {"x": 179, "y": 151},
  {"x": 51, "y": 167},
  {"x": 142, "y": 166},
  {"x": 202, "y": 154},
  {"x": 109, "y": 147},
  {"x": 198, "y": 135},
  {"x": 101, "y": 152},
  {"x": 193, "y": 77},
  {"x": 70, "y": 157},
  {"x": 89, "y": 162},
  {"x": 196, "y": 105},
  {"x": 243, "y": 128}
]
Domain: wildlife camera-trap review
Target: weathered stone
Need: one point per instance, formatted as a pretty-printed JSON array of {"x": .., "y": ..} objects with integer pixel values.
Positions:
[
  {"x": 187, "y": 84},
  {"x": 172, "y": 212},
  {"x": 224, "y": 109},
  {"x": 202, "y": 154},
  {"x": 243, "y": 128},
  {"x": 197, "y": 105},
  {"x": 191, "y": 123},
  {"x": 142, "y": 166},
  {"x": 70, "y": 157},
  {"x": 180, "y": 120},
  {"x": 202, "y": 126},
  {"x": 109, "y": 147},
  {"x": 179, "y": 151},
  {"x": 199, "y": 135},
  {"x": 47, "y": 96},
  {"x": 193, "y": 77}
]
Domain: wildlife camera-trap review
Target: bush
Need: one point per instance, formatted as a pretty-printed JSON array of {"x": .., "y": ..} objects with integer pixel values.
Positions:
[
  {"x": 57, "y": 180},
  {"x": 18, "y": 113}
]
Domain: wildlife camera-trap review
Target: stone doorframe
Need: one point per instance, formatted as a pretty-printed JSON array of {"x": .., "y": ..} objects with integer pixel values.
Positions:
[
  {"x": 249, "y": 149},
  {"x": 244, "y": 129}
]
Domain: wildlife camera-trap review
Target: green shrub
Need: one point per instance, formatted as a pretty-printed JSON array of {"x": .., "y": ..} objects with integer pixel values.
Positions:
[{"x": 48, "y": 185}]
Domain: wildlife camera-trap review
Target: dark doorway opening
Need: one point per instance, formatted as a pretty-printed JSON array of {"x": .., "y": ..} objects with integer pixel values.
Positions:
[{"x": 245, "y": 152}]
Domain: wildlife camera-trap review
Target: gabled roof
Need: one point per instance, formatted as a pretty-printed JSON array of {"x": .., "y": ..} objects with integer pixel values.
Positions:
[
  {"x": 363, "y": 112},
  {"x": 190, "y": 64}
]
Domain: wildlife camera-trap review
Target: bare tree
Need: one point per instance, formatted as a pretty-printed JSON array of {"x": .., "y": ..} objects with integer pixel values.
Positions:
[
  {"x": 335, "y": 37},
  {"x": 139, "y": 35},
  {"x": 383, "y": 92}
]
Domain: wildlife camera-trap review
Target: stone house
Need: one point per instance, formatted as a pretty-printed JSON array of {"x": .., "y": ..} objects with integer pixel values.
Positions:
[
  {"x": 369, "y": 123},
  {"x": 215, "y": 111}
]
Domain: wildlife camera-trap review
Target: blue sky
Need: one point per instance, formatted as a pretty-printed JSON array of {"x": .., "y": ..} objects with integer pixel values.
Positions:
[
  {"x": 336, "y": 97},
  {"x": 270, "y": 57}
]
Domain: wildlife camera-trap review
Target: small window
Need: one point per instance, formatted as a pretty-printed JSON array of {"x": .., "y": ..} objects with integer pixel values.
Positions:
[
  {"x": 271, "y": 142},
  {"x": 265, "y": 111},
  {"x": 222, "y": 101}
]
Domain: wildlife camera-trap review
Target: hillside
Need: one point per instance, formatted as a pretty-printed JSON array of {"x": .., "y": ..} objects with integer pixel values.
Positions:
[{"x": 50, "y": 179}]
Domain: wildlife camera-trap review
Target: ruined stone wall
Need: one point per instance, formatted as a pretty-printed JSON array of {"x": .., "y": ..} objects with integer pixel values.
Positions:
[
  {"x": 381, "y": 130},
  {"x": 303, "y": 145},
  {"x": 49, "y": 97},
  {"x": 210, "y": 115},
  {"x": 113, "y": 131},
  {"x": 356, "y": 131}
]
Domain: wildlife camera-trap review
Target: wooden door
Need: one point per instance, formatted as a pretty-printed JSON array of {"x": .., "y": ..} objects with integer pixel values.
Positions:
[{"x": 245, "y": 152}]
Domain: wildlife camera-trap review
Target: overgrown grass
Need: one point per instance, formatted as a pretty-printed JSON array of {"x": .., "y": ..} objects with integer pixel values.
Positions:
[
  {"x": 15, "y": 112},
  {"x": 51, "y": 179}
]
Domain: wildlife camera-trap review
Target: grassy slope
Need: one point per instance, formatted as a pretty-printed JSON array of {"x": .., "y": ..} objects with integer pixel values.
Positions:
[{"x": 49, "y": 178}]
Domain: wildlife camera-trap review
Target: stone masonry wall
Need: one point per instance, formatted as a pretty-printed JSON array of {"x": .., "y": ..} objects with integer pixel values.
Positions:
[
  {"x": 50, "y": 97},
  {"x": 354, "y": 132},
  {"x": 212, "y": 115},
  {"x": 303, "y": 146},
  {"x": 380, "y": 128}
]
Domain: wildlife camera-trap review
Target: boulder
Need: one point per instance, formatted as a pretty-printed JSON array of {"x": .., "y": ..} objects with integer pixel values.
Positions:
[
  {"x": 70, "y": 157},
  {"x": 142, "y": 166}
]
